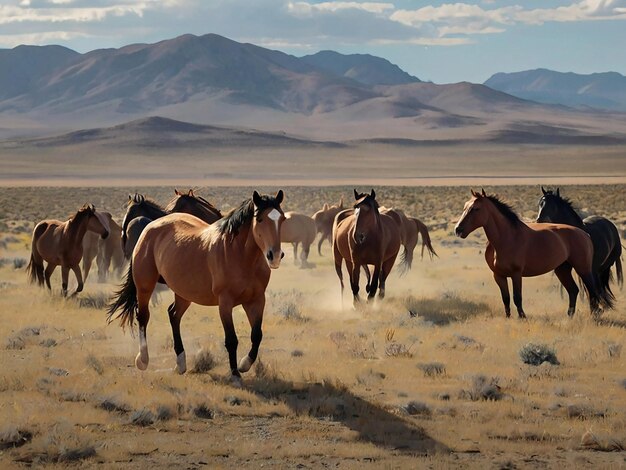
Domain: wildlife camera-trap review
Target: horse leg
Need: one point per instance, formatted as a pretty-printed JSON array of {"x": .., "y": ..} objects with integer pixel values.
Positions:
[
  {"x": 295, "y": 252},
  {"x": 517, "y": 294},
  {"x": 87, "y": 261},
  {"x": 373, "y": 283},
  {"x": 65, "y": 274},
  {"x": 564, "y": 273},
  {"x": 230, "y": 337},
  {"x": 384, "y": 273},
  {"x": 176, "y": 311},
  {"x": 355, "y": 271},
  {"x": 368, "y": 276},
  {"x": 104, "y": 262},
  {"x": 254, "y": 311},
  {"x": 143, "y": 317},
  {"x": 319, "y": 244},
  {"x": 503, "y": 284},
  {"x": 338, "y": 259},
  {"x": 79, "y": 279},
  {"x": 304, "y": 255},
  {"x": 48, "y": 274}
]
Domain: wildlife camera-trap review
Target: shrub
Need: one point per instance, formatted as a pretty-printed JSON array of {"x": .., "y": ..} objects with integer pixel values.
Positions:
[{"x": 537, "y": 354}]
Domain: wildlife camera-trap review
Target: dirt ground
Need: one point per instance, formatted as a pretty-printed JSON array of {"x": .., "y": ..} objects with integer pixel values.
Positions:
[{"x": 430, "y": 377}]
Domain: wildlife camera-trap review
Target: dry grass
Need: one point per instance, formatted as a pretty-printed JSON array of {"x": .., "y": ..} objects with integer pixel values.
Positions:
[{"x": 375, "y": 388}]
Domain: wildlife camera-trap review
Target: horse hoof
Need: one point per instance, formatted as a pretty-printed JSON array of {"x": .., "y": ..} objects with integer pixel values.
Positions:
[
  {"x": 140, "y": 364},
  {"x": 181, "y": 363},
  {"x": 236, "y": 381},
  {"x": 245, "y": 364}
]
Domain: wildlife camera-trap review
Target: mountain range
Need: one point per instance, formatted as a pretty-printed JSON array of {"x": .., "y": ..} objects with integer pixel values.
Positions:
[{"x": 212, "y": 80}]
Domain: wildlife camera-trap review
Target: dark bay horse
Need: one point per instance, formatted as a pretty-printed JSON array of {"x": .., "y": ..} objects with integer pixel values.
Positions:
[
  {"x": 61, "y": 244},
  {"x": 299, "y": 229},
  {"x": 365, "y": 237},
  {"x": 607, "y": 246},
  {"x": 224, "y": 264},
  {"x": 324, "y": 219},
  {"x": 142, "y": 211},
  {"x": 516, "y": 249}
]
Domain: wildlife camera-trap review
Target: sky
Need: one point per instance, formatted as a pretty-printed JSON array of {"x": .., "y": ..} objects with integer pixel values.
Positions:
[{"x": 440, "y": 41}]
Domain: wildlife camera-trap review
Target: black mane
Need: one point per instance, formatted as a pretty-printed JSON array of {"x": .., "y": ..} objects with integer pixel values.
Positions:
[
  {"x": 198, "y": 200},
  {"x": 505, "y": 209},
  {"x": 564, "y": 201},
  {"x": 242, "y": 215}
]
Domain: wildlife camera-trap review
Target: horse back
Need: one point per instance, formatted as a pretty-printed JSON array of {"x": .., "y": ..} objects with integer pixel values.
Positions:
[{"x": 607, "y": 244}]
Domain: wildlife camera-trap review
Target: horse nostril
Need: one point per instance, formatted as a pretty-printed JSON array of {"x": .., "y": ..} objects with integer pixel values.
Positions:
[
  {"x": 270, "y": 255},
  {"x": 282, "y": 255},
  {"x": 458, "y": 231}
]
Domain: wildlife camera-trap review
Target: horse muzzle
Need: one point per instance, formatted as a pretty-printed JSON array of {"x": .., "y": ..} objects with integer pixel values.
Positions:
[
  {"x": 273, "y": 258},
  {"x": 105, "y": 235},
  {"x": 458, "y": 231},
  {"x": 359, "y": 238}
]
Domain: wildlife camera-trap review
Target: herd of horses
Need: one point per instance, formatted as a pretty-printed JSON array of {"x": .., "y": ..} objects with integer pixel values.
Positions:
[{"x": 209, "y": 258}]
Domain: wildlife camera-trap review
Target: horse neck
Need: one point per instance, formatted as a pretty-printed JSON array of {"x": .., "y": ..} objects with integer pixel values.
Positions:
[
  {"x": 499, "y": 229},
  {"x": 245, "y": 243},
  {"x": 569, "y": 216},
  {"x": 76, "y": 229}
]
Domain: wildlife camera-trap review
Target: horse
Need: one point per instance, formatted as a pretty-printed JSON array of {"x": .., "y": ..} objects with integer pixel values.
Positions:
[
  {"x": 516, "y": 250},
  {"x": 365, "y": 237},
  {"x": 324, "y": 219},
  {"x": 61, "y": 243},
  {"x": 299, "y": 228},
  {"x": 607, "y": 246},
  {"x": 142, "y": 211},
  {"x": 224, "y": 264},
  {"x": 410, "y": 230},
  {"x": 108, "y": 252}
]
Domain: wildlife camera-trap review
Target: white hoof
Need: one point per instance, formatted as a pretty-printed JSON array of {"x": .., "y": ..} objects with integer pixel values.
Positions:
[
  {"x": 236, "y": 381},
  {"x": 181, "y": 363},
  {"x": 141, "y": 363},
  {"x": 245, "y": 364}
]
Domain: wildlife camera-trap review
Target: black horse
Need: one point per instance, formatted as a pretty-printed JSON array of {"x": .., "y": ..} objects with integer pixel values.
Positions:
[{"x": 607, "y": 246}]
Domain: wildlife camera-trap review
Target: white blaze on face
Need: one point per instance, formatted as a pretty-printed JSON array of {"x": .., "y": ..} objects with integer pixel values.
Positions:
[{"x": 275, "y": 216}]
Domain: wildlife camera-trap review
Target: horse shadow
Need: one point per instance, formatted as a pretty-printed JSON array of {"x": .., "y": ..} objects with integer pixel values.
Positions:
[{"x": 385, "y": 428}]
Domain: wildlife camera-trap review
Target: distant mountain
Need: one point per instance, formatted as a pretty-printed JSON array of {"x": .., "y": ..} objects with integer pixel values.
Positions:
[
  {"x": 364, "y": 68},
  {"x": 596, "y": 90}
]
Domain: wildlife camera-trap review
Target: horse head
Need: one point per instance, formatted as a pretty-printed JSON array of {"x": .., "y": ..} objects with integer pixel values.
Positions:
[
  {"x": 366, "y": 215},
  {"x": 97, "y": 222},
  {"x": 266, "y": 224},
  {"x": 474, "y": 214}
]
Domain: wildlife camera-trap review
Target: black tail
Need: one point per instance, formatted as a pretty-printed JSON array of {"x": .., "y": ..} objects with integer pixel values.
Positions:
[
  {"x": 35, "y": 271},
  {"x": 599, "y": 298},
  {"x": 406, "y": 260},
  {"x": 426, "y": 243},
  {"x": 618, "y": 270},
  {"x": 125, "y": 300}
]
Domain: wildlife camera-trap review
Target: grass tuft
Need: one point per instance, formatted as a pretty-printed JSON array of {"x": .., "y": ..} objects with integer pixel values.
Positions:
[
  {"x": 537, "y": 354},
  {"x": 204, "y": 362}
]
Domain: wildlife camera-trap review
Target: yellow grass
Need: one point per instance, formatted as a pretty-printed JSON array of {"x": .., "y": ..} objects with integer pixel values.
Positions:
[{"x": 332, "y": 386}]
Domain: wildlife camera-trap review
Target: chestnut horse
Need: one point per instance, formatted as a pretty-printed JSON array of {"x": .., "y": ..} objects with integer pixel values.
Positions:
[
  {"x": 324, "y": 219},
  {"x": 365, "y": 237},
  {"x": 61, "y": 244},
  {"x": 225, "y": 264},
  {"x": 107, "y": 252},
  {"x": 299, "y": 229},
  {"x": 516, "y": 249},
  {"x": 607, "y": 246}
]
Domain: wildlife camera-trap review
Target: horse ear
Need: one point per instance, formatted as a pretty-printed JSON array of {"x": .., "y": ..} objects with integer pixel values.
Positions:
[
  {"x": 130, "y": 198},
  {"x": 177, "y": 192},
  {"x": 543, "y": 191},
  {"x": 475, "y": 194},
  {"x": 279, "y": 196},
  {"x": 557, "y": 192},
  {"x": 325, "y": 208},
  {"x": 373, "y": 194},
  {"x": 190, "y": 193},
  {"x": 256, "y": 198},
  {"x": 341, "y": 202},
  {"x": 142, "y": 198},
  {"x": 484, "y": 194},
  {"x": 356, "y": 195}
]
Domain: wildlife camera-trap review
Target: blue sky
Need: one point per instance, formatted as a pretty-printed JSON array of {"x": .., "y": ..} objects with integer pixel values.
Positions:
[{"x": 439, "y": 41}]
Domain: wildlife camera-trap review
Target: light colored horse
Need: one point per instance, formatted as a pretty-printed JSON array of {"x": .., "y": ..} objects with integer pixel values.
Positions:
[
  {"x": 365, "y": 237},
  {"x": 61, "y": 244},
  {"x": 106, "y": 252},
  {"x": 516, "y": 250},
  {"x": 298, "y": 229},
  {"x": 324, "y": 219},
  {"x": 224, "y": 264}
]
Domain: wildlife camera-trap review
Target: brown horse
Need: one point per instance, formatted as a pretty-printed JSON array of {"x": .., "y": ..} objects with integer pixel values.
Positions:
[
  {"x": 324, "y": 219},
  {"x": 298, "y": 229},
  {"x": 195, "y": 205},
  {"x": 410, "y": 230},
  {"x": 61, "y": 243},
  {"x": 516, "y": 249},
  {"x": 108, "y": 252},
  {"x": 225, "y": 264},
  {"x": 365, "y": 237}
]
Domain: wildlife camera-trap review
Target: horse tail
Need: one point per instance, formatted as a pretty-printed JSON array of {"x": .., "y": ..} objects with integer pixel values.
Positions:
[
  {"x": 34, "y": 269},
  {"x": 406, "y": 260},
  {"x": 125, "y": 300},
  {"x": 618, "y": 270},
  {"x": 426, "y": 242},
  {"x": 599, "y": 297}
]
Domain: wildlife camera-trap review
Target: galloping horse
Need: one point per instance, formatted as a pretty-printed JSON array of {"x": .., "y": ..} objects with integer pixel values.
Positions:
[
  {"x": 225, "y": 264},
  {"x": 365, "y": 237},
  {"x": 607, "y": 246},
  {"x": 61, "y": 243},
  {"x": 107, "y": 252},
  {"x": 142, "y": 211},
  {"x": 517, "y": 250},
  {"x": 298, "y": 228},
  {"x": 324, "y": 219}
]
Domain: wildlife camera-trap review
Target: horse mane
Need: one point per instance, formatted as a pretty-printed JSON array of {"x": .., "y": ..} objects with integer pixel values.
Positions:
[
  {"x": 569, "y": 205},
  {"x": 80, "y": 214},
  {"x": 505, "y": 209},
  {"x": 242, "y": 215},
  {"x": 369, "y": 199},
  {"x": 202, "y": 202}
]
